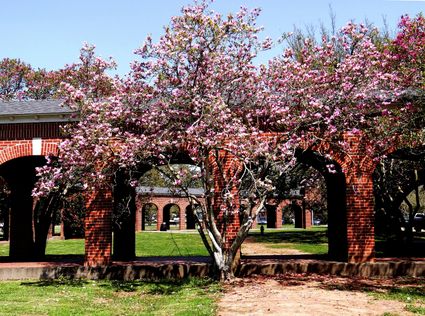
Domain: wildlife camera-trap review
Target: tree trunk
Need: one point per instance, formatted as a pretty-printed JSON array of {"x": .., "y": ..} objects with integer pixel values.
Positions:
[
  {"x": 46, "y": 210},
  {"x": 224, "y": 265}
]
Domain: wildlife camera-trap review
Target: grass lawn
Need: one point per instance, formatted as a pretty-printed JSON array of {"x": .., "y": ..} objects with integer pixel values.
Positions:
[
  {"x": 147, "y": 244},
  {"x": 313, "y": 240},
  {"x": 85, "y": 297},
  {"x": 189, "y": 243}
]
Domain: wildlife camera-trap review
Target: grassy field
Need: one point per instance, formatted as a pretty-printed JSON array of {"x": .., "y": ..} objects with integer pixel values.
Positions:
[
  {"x": 312, "y": 241},
  {"x": 189, "y": 243},
  {"x": 147, "y": 244},
  {"x": 85, "y": 297}
]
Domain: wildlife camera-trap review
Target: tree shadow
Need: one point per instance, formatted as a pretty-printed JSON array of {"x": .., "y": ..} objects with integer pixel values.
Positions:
[
  {"x": 399, "y": 248},
  {"x": 57, "y": 282},
  {"x": 157, "y": 287},
  {"x": 412, "y": 286}
]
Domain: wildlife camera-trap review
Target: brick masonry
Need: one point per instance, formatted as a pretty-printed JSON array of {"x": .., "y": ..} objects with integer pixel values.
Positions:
[
  {"x": 98, "y": 228},
  {"x": 161, "y": 203}
]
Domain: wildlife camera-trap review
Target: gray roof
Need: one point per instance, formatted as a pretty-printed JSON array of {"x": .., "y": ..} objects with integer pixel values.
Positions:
[
  {"x": 161, "y": 191},
  {"x": 34, "y": 107}
]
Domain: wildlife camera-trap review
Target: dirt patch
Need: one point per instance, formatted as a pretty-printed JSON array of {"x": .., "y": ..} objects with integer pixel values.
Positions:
[
  {"x": 312, "y": 295},
  {"x": 251, "y": 248}
]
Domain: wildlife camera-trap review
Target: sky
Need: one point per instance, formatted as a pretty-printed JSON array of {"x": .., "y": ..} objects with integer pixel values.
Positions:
[{"x": 49, "y": 33}]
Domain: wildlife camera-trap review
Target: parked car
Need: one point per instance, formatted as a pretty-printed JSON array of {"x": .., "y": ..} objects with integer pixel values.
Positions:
[
  {"x": 419, "y": 222},
  {"x": 317, "y": 221}
]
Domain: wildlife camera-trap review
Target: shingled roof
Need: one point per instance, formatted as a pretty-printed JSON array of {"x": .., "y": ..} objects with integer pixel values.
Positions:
[
  {"x": 161, "y": 191},
  {"x": 33, "y": 107}
]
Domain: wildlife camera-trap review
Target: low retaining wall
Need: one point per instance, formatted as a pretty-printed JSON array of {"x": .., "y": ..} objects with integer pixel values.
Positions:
[
  {"x": 179, "y": 268},
  {"x": 146, "y": 268},
  {"x": 387, "y": 269}
]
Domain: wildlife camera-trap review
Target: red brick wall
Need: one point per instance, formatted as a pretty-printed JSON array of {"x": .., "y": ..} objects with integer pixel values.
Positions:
[
  {"x": 20, "y": 148},
  {"x": 161, "y": 202},
  {"x": 359, "y": 167},
  {"x": 98, "y": 228},
  {"x": 230, "y": 227}
]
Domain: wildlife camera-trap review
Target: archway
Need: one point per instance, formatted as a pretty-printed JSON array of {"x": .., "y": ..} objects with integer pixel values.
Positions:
[
  {"x": 334, "y": 182},
  {"x": 400, "y": 202},
  {"x": 149, "y": 216},
  {"x": 271, "y": 215},
  {"x": 170, "y": 216},
  {"x": 20, "y": 175},
  {"x": 190, "y": 217}
]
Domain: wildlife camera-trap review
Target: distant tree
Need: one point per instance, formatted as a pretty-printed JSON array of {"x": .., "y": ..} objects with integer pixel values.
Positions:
[{"x": 13, "y": 73}]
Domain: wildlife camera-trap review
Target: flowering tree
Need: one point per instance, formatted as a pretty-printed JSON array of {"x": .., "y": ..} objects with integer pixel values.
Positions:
[
  {"x": 345, "y": 84},
  {"x": 197, "y": 94},
  {"x": 86, "y": 78}
]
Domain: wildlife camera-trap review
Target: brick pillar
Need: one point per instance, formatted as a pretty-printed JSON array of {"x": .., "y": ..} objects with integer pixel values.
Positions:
[
  {"x": 228, "y": 219},
  {"x": 307, "y": 218},
  {"x": 360, "y": 218},
  {"x": 279, "y": 208},
  {"x": 139, "y": 210},
  {"x": 182, "y": 215},
  {"x": 159, "y": 218},
  {"x": 98, "y": 228},
  {"x": 360, "y": 201}
]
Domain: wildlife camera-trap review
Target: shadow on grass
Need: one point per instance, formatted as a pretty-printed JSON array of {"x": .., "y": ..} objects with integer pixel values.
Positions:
[
  {"x": 396, "y": 248},
  {"x": 298, "y": 237},
  {"x": 160, "y": 287},
  {"x": 57, "y": 283}
]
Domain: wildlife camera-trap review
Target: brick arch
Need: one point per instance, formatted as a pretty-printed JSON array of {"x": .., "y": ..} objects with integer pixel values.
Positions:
[
  {"x": 142, "y": 215},
  {"x": 22, "y": 148},
  {"x": 160, "y": 202}
]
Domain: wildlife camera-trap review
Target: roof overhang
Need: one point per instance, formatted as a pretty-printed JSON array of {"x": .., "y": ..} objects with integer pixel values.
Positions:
[{"x": 38, "y": 118}]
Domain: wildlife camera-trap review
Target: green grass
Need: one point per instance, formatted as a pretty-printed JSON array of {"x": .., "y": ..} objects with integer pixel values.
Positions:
[
  {"x": 84, "y": 297},
  {"x": 413, "y": 297},
  {"x": 317, "y": 249},
  {"x": 169, "y": 244},
  {"x": 312, "y": 241},
  {"x": 147, "y": 245}
]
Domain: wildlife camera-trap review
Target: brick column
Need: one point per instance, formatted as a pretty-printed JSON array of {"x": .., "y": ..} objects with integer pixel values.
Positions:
[
  {"x": 228, "y": 220},
  {"x": 307, "y": 218},
  {"x": 279, "y": 216},
  {"x": 182, "y": 215},
  {"x": 360, "y": 200},
  {"x": 98, "y": 228},
  {"x": 360, "y": 218},
  {"x": 139, "y": 210},
  {"x": 159, "y": 218}
]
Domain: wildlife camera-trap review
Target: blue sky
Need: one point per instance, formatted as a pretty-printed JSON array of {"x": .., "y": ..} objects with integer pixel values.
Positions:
[{"x": 49, "y": 33}]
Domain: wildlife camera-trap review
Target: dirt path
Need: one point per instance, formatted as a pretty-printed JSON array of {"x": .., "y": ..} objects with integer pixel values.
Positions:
[
  {"x": 298, "y": 295},
  {"x": 254, "y": 248}
]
